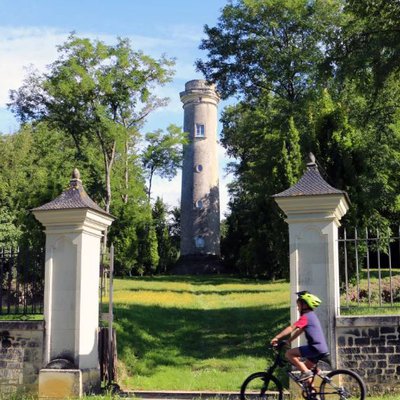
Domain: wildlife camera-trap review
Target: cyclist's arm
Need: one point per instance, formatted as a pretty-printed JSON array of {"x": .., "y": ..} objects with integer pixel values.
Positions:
[
  {"x": 296, "y": 332},
  {"x": 281, "y": 335},
  {"x": 293, "y": 331}
]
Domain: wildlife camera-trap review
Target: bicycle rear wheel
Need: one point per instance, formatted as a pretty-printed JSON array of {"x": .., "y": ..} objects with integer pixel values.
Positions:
[
  {"x": 342, "y": 384},
  {"x": 261, "y": 386}
]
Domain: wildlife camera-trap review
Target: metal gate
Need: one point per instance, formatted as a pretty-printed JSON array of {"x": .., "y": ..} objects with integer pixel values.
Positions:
[
  {"x": 21, "y": 281},
  {"x": 369, "y": 269},
  {"x": 107, "y": 335}
]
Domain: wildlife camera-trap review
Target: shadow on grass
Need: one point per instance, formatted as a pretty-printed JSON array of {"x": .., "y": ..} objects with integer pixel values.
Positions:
[
  {"x": 201, "y": 292},
  {"x": 174, "y": 336},
  {"x": 202, "y": 279}
]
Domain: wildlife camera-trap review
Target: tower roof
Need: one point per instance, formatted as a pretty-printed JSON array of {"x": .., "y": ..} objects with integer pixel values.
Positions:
[
  {"x": 74, "y": 197},
  {"x": 199, "y": 90},
  {"x": 311, "y": 184}
]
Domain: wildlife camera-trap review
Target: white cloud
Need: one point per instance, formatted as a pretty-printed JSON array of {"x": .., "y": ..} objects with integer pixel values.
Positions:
[
  {"x": 188, "y": 35},
  {"x": 21, "y": 47}
]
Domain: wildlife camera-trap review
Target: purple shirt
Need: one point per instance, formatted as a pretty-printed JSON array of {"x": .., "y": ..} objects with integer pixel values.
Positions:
[{"x": 313, "y": 331}]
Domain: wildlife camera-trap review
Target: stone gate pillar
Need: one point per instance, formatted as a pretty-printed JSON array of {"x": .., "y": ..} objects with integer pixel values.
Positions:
[
  {"x": 314, "y": 209},
  {"x": 74, "y": 227}
]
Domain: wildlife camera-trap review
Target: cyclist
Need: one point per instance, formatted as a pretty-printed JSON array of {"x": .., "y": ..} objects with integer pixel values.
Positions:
[{"x": 311, "y": 326}]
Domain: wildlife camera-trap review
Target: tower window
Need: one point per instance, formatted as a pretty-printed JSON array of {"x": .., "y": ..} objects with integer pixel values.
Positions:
[
  {"x": 199, "y": 242},
  {"x": 199, "y": 168},
  {"x": 200, "y": 131},
  {"x": 199, "y": 204}
]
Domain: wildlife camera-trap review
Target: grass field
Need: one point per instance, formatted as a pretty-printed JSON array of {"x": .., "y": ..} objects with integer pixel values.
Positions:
[{"x": 195, "y": 333}]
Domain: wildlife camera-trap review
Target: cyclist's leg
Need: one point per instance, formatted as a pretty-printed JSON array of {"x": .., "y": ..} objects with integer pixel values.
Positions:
[
  {"x": 306, "y": 352},
  {"x": 310, "y": 364},
  {"x": 294, "y": 357}
]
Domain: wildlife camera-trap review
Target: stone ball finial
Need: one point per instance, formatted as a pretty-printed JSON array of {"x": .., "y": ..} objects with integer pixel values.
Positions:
[
  {"x": 75, "y": 181},
  {"x": 312, "y": 161},
  {"x": 76, "y": 174}
]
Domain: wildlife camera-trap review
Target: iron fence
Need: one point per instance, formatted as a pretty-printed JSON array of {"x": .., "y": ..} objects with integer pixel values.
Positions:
[
  {"x": 369, "y": 269},
  {"x": 21, "y": 281}
]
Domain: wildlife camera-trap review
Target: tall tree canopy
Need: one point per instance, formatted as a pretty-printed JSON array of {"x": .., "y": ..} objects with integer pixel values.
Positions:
[
  {"x": 269, "y": 46},
  {"x": 291, "y": 65},
  {"x": 87, "y": 111},
  {"x": 370, "y": 40},
  {"x": 163, "y": 154},
  {"x": 95, "y": 92}
]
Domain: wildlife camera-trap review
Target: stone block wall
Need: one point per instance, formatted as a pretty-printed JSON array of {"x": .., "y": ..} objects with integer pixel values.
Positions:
[
  {"x": 21, "y": 355},
  {"x": 371, "y": 346}
]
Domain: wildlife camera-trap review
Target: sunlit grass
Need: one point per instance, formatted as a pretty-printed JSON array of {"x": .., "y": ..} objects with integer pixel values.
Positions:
[
  {"x": 372, "y": 296},
  {"x": 195, "y": 333},
  {"x": 21, "y": 317}
]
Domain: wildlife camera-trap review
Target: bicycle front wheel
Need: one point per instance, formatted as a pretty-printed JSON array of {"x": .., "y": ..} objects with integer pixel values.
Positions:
[
  {"x": 342, "y": 384},
  {"x": 261, "y": 386}
]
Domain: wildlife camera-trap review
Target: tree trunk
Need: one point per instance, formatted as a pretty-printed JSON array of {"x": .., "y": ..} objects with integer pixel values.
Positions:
[
  {"x": 126, "y": 196},
  {"x": 108, "y": 163}
]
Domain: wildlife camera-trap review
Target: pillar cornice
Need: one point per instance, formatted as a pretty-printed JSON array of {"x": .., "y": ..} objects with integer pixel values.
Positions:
[
  {"x": 70, "y": 220},
  {"x": 314, "y": 208}
]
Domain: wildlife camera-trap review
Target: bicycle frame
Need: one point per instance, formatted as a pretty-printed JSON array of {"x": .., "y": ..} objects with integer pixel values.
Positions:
[
  {"x": 279, "y": 361},
  {"x": 307, "y": 387}
]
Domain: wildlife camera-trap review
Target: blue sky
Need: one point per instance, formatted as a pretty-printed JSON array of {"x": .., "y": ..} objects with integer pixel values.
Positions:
[{"x": 31, "y": 29}]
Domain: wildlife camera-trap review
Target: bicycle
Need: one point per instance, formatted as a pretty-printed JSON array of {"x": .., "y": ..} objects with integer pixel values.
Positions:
[{"x": 338, "y": 384}]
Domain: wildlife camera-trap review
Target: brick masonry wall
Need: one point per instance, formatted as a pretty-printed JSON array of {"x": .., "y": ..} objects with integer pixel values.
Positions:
[
  {"x": 371, "y": 347},
  {"x": 21, "y": 355}
]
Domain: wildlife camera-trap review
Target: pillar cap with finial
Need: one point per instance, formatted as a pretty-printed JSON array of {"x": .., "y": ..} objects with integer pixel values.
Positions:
[
  {"x": 312, "y": 162},
  {"x": 74, "y": 197},
  {"x": 311, "y": 184}
]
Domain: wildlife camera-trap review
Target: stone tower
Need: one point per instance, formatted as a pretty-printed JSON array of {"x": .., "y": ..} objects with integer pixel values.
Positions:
[{"x": 200, "y": 225}]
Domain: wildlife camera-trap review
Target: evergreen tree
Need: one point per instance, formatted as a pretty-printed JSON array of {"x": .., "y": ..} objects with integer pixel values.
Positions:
[
  {"x": 278, "y": 57},
  {"x": 167, "y": 250}
]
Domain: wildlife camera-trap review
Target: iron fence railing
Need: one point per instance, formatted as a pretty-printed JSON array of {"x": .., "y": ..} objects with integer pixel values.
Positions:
[
  {"x": 107, "y": 342},
  {"x": 369, "y": 269},
  {"x": 21, "y": 281}
]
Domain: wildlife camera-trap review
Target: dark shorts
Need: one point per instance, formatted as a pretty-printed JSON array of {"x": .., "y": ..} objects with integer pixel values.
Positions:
[{"x": 309, "y": 352}]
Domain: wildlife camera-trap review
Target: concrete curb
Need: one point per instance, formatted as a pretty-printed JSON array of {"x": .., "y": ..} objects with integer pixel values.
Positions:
[{"x": 203, "y": 395}]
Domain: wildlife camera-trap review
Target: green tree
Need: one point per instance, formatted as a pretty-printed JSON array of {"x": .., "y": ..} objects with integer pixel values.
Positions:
[
  {"x": 148, "y": 256},
  {"x": 167, "y": 250},
  {"x": 267, "y": 161},
  {"x": 163, "y": 154},
  {"x": 295, "y": 97},
  {"x": 97, "y": 93},
  {"x": 269, "y": 46},
  {"x": 368, "y": 43},
  {"x": 34, "y": 168},
  {"x": 10, "y": 234}
]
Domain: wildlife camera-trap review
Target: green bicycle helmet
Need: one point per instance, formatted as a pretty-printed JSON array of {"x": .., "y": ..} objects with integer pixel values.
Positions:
[{"x": 310, "y": 299}]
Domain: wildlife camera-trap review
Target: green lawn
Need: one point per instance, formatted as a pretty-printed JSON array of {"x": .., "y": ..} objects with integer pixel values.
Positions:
[{"x": 195, "y": 333}]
